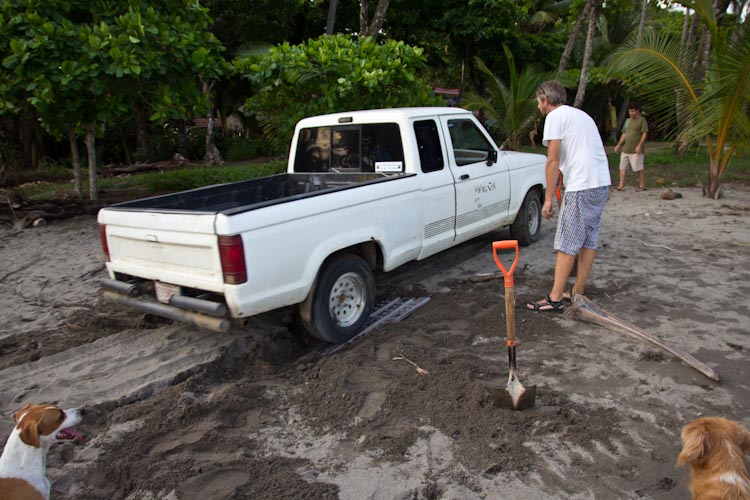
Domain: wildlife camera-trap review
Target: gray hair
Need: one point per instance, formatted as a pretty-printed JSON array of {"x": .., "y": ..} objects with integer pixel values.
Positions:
[{"x": 553, "y": 91}]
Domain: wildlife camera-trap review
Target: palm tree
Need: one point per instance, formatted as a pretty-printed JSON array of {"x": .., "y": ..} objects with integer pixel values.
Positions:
[
  {"x": 716, "y": 101},
  {"x": 510, "y": 109},
  {"x": 593, "y": 9}
]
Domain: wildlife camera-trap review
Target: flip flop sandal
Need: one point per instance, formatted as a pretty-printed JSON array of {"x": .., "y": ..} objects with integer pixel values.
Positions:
[
  {"x": 638, "y": 190},
  {"x": 547, "y": 306}
]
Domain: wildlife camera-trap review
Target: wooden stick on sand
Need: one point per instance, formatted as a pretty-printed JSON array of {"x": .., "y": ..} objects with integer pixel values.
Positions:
[{"x": 585, "y": 310}]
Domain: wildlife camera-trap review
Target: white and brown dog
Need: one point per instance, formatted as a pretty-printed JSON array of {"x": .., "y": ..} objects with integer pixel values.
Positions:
[
  {"x": 24, "y": 459},
  {"x": 714, "y": 448}
]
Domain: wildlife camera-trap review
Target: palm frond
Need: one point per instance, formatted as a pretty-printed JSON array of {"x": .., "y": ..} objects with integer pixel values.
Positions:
[
  {"x": 657, "y": 68},
  {"x": 727, "y": 98}
]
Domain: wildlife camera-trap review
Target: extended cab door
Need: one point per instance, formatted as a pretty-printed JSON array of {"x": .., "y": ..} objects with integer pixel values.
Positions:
[
  {"x": 482, "y": 180},
  {"x": 438, "y": 190}
]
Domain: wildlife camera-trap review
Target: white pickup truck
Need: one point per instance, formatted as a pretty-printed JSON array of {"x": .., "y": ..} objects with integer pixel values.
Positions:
[{"x": 364, "y": 191}]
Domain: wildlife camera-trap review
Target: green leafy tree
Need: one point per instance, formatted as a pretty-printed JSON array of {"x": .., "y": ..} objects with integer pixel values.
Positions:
[
  {"x": 330, "y": 74},
  {"x": 509, "y": 108},
  {"x": 716, "y": 101},
  {"x": 82, "y": 64},
  {"x": 454, "y": 32}
]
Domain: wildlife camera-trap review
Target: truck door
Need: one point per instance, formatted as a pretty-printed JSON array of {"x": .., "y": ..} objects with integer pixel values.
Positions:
[
  {"x": 438, "y": 189},
  {"x": 482, "y": 184}
]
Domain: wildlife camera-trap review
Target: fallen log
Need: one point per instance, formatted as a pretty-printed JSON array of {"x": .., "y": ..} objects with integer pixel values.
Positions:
[{"x": 584, "y": 310}]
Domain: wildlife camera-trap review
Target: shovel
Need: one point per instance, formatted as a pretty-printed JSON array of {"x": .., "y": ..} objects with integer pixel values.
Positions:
[{"x": 515, "y": 395}]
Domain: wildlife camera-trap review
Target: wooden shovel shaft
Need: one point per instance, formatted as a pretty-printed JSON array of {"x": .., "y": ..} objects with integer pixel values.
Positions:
[
  {"x": 510, "y": 315},
  {"x": 585, "y": 310}
]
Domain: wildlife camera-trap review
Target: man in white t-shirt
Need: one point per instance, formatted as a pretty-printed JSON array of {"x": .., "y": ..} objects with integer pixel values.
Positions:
[{"x": 575, "y": 150}]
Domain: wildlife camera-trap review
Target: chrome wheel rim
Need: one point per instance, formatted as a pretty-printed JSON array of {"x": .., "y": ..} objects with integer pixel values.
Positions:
[
  {"x": 347, "y": 301},
  {"x": 533, "y": 215}
]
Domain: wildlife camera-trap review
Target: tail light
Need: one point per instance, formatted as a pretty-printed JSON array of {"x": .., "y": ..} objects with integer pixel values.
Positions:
[
  {"x": 103, "y": 238},
  {"x": 232, "y": 255}
]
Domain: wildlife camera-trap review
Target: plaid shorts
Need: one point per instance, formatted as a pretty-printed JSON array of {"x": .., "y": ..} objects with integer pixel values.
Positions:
[{"x": 580, "y": 220}]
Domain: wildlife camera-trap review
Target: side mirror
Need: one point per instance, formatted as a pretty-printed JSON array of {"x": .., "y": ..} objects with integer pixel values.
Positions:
[{"x": 491, "y": 157}]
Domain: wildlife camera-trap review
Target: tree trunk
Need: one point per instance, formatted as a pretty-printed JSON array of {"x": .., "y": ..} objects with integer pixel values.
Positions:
[
  {"x": 364, "y": 16},
  {"x": 583, "y": 83},
  {"x": 684, "y": 41},
  {"x": 642, "y": 24},
  {"x": 29, "y": 144},
  {"x": 371, "y": 28},
  {"x": 681, "y": 144},
  {"x": 212, "y": 155},
  {"x": 713, "y": 190},
  {"x": 141, "y": 150},
  {"x": 565, "y": 58},
  {"x": 3, "y": 154},
  {"x": 182, "y": 138},
  {"x": 125, "y": 148},
  {"x": 75, "y": 160},
  {"x": 91, "y": 152},
  {"x": 331, "y": 17}
]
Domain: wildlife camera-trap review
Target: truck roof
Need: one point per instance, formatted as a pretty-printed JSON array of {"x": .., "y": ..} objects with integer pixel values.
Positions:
[{"x": 379, "y": 115}]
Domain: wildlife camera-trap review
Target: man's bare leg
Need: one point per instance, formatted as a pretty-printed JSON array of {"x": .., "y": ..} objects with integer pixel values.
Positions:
[
  {"x": 621, "y": 186},
  {"x": 585, "y": 263},
  {"x": 563, "y": 267}
]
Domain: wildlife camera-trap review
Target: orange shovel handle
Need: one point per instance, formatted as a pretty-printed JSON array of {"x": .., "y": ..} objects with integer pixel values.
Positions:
[{"x": 507, "y": 273}]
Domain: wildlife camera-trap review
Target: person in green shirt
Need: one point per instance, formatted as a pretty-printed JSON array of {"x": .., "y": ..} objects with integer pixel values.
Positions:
[{"x": 633, "y": 137}]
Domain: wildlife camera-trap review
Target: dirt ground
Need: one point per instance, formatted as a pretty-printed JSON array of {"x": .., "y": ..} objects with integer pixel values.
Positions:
[{"x": 266, "y": 413}]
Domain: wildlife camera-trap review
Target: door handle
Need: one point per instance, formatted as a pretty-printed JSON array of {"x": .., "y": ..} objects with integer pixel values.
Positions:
[{"x": 463, "y": 177}]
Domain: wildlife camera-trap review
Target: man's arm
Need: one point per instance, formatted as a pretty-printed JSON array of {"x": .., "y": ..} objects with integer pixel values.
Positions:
[
  {"x": 620, "y": 142},
  {"x": 639, "y": 147},
  {"x": 553, "y": 174}
]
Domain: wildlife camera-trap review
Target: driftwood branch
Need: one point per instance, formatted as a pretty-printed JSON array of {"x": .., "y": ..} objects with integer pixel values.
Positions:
[{"x": 585, "y": 310}]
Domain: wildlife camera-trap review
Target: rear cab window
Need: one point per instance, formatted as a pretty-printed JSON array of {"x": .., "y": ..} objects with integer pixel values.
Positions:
[{"x": 350, "y": 148}]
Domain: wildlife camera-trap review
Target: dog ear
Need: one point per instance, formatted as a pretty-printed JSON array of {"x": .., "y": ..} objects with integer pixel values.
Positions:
[
  {"x": 18, "y": 414},
  {"x": 695, "y": 443},
  {"x": 30, "y": 432}
]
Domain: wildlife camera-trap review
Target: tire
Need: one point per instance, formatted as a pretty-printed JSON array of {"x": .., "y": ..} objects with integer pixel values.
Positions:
[
  {"x": 342, "y": 300},
  {"x": 528, "y": 224}
]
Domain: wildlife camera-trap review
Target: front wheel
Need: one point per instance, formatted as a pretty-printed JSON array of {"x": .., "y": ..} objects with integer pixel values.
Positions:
[
  {"x": 528, "y": 224},
  {"x": 342, "y": 299}
]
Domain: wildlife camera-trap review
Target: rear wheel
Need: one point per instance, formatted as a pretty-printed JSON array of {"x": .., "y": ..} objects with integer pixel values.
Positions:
[
  {"x": 342, "y": 300},
  {"x": 528, "y": 224}
]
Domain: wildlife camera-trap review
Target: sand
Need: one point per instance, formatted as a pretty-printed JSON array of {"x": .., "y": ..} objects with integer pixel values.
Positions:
[{"x": 265, "y": 412}]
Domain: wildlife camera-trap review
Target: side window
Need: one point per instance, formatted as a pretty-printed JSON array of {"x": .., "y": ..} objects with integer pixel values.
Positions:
[
  {"x": 350, "y": 148},
  {"x": 469, "y": 144},
  {"x": 428, "y": 143}
]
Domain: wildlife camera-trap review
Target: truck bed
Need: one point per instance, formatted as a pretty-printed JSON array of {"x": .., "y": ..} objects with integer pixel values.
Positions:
[{"x": 236, "y": 197}]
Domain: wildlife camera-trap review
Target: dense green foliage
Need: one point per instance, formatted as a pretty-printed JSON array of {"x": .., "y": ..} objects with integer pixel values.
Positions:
[
  {"x": 133, "y": 70},
  {"x": 89, "y": 62},
  {"x": 330, "y": 74}
]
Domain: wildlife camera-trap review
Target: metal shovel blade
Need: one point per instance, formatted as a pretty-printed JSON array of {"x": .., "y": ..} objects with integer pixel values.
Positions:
[{"x": 515, "y": 396}]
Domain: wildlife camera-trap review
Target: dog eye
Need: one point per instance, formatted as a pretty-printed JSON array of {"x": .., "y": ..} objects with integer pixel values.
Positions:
[{"x": 62, "y": 416}]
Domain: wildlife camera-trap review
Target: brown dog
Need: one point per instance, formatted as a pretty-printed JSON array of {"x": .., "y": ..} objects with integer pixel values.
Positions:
[{"x": 715, "y": 450}]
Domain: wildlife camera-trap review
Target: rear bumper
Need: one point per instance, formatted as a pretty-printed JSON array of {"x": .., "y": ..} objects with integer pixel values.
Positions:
[{"x": 198, "y": 312}]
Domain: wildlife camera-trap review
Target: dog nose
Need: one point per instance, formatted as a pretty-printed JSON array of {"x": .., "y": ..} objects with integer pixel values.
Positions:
[{"x": 81, "y": 411}]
